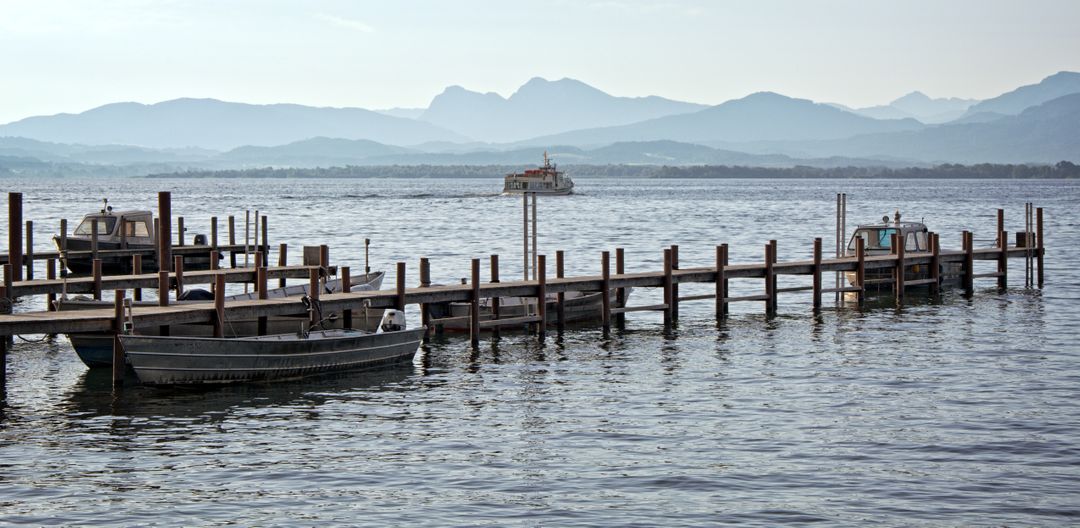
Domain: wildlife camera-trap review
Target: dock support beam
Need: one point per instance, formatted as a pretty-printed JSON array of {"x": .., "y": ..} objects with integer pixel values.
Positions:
[
  {"x": 620, "y": 293},
  {"x": 605, "y": 292},
  {"x": 1041, "y": 247},
  {"x": 817, "y": 274},
  {"x": 541, "y": 296},
  {"x": 1003, "y": 246},
  {"x": 667, "y": 291},
  {"x": 560, "y": 307},
  {"x": 15, "y": 222},
  {"x": 165, "y": 234},
  {"x": 495, "y": 300},
  {"x": 119, "y": 363},
  {"x": 721, "y": 282},
  {"x": 474, "y": 306}
]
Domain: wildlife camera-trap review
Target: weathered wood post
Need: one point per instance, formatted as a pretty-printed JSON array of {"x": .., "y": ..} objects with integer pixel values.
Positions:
[
  {"x": 157, "y": 246},
  {"x": 474, "y": 306},
  {"x": 165, "y": 232},
  {"x": 675, "y": 284},
  {"x": 541, "y": 296},
  {"x": 816, "y": 270},
  {"x": 313, "y": 294},
  {"x": 219, "y": 305},
  {"x": 63, "y": 247},
  {"x": 605, "y": 291},
  {"x": 50, "y": 274},
  {"x": 96, "y": 271},
  {"x": 770, "y": 293},
  {"x": 620, "y": 293},
  {"x": 260, "y": 281},
  {"x": 15, "y": 222},
  {"x": 119, "y": 364},
  {"x": 258, "y": 266},
  {"x": 265, "y": 242},
  {"x": 1003, "y": 247},
  {"x": 721, "y": 282},
  {"x": 969, "y": 263},
  {"x": 29, "y": 257},
  {"x": 123, "y": 234},
  {"x": 495, "y": 300},
  {"x": 232, "y": 241},
  {"x": 180, "y": 231},
  {"x": 367, "y": 255},
  {"x": 400, "y": 302},
  {"x": 213, "y": 233},
  {"x": 860, "y": 270},
  {"x": 178, "y": 266},
  {"x": 774, "y": 299},
  {"x": 94, "y": 240},
  {"x": 136, "y": 266},
  {"x": 560, "y": 298},
  {"x": 898, "y": 251},
  {"x": 1041, "y": 247},
  {"x": 3, "y": 364},
  {"x": 283, "y": 260},
  {"x": 9, "y": 292},
  {"x": 163, "y": 297},
  {"x": 935, "y": 263},
  {"x": 346, "y": 287},
  {"x": 667, "y": 291},
  {"x": 214, "y": 257}
]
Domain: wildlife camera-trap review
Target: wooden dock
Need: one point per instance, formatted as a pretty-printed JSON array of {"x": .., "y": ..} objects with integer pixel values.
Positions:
[{"x": 897, "y": 268}]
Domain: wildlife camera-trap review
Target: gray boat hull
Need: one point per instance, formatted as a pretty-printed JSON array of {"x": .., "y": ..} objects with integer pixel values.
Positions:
[{"x": 200, "y": 360}]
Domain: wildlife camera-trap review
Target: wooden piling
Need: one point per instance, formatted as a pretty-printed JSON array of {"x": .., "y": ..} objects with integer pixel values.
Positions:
[
  {"x": 1003, "y": 246},
  {"x": 969, "y": 263},
  {"x": 214, "y": 258},
  {"x": 96, "y": 271},
  {"x": 119, "y": 363},
  {"x": 136, "y": 267},
  {"x": 165, "y": 233},
  {"x": 620, "y": 293},
  {"x": 667, "y": 291},
  {"x": 367, "y": 248},
  {"x": 400, "y": 304},
  {"x": 474, "y": 306},
  {"x": 264, "y": 293},
  {"x": 674, "y": 285},
  {"x": 721, "y": 282},
  {"x": 605, "y": 289},
  {"x": 283, "y": 260},
  {"x": 258, "y": 266},
  {"x": 219, "y": 305},
  {"x": 29, "y": 257},
  {"x": 163, "y": 297},
  {"x": 9, "y": 279},
  {"x": 15, "y": 222},
  {"x": 774, "y": 299},
  {"x": 346, "y": 287},
  {"x": 313, "y": 295},
  {"x": 180, "y": 231},
  {"x": 770, "y": 290},
  {"x": 935, "y": 263},
  {"x": 1040, "y": 246},
  {"x": 817, "y": 274},
  {"x": 178, "y": 267},
  {"x": 265, "y": 242},
  {"x": 898, "y": 273},
  {"x": 495, "y": 300},
  {"x": 63, "y": 247},
  {"x": 213, "y": 232},
  {"x": 161, "y": 265},
  {"x": 94, "y": 240},
  {"x": 123, "y": 234},
  {"x": 50, "y": 274},
  {"x": 560, "y": 298},
  {"x": 232, "y": 240},
  {"x": 541, "y": 296}
]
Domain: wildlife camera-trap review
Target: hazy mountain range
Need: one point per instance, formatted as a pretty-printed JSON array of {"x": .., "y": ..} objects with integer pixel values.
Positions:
[{"x": 1037, "y": 123}]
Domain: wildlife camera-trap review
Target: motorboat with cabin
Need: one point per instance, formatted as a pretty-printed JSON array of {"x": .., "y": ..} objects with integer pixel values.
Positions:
[
  {"x": 546, "y": 179},
  {"x": 114, "y": 230},
  {"x": 878, "y": 239}
]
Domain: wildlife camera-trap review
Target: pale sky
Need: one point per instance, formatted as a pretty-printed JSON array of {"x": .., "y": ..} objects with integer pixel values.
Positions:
[{"x": 72, "y": 55}]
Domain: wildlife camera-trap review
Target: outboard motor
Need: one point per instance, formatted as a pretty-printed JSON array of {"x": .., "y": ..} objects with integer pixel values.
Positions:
[
  {"x": 200, "y": 240},
  {"x": 392, "y": 321}
]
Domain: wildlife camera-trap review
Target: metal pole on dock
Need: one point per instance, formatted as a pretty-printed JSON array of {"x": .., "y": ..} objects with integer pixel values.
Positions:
[
  {"x": 15, "y": 222},
  {"x": 165, "y": 234}
]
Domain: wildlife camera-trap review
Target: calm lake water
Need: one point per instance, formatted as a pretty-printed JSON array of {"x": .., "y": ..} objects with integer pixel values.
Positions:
[{"x": 950, "y": 412}]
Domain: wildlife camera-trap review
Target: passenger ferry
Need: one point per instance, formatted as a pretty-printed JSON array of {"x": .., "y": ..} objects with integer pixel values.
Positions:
[{"x": 543, "y": 180}]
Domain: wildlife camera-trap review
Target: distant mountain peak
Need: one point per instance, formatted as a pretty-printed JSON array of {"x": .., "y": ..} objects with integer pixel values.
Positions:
[{"x": 913, "y": 97}]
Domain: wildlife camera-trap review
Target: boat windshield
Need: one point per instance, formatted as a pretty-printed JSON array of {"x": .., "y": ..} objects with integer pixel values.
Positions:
[
  {"x": 875, "y": 238},
  {"x": 105, "y": 225}
]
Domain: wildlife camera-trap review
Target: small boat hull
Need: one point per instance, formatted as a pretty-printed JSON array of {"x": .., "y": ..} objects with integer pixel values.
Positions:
[
  {"x": 199, "y": 360},
  {"x": 580, "y": 308}
]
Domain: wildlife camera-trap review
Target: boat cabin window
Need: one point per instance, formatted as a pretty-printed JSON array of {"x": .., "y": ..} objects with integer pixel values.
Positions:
[
  {"x": 916, "y": 241},
  {"x": 874, "y": 238},
  {"x": 136, "y": 228},
  {"x": 105, "y": 225}
]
